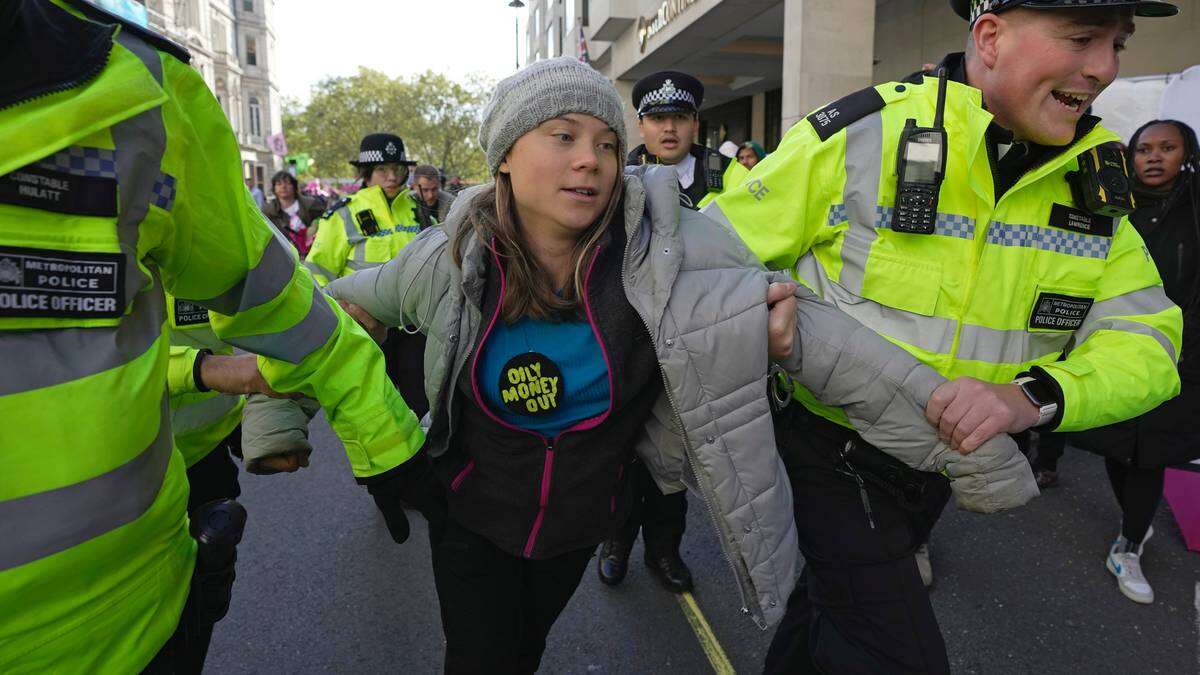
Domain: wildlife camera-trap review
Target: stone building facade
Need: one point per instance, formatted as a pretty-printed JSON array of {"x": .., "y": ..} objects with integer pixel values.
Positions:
[{"x": 233, "y": 46}]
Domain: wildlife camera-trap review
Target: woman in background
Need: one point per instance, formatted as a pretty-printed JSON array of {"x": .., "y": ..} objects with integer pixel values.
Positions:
[{"x": 1165, "y": 157}]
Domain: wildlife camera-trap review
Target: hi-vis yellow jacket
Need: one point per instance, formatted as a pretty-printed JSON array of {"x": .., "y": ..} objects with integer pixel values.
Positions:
[
  {"x": 1001, "y": 286},
  {"x": 121, "y": 178},
  {"x": 199, "y": 419},
  {"x": 342, "y": 247}
]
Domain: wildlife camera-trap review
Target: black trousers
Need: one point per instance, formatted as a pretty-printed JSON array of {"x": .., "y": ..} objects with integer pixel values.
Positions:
[
  {"x": 497, "y": 608},
  {"x": 859, "y": 606},
  {"x": 404, "y": 358},
  {"x": 1139, "y": 491},
  {"x": 213, "y": 477},
  {"x": 1051, "y": 446},
  {"x": 216, "y": 475},
  {"x": 661, "y": 518}
]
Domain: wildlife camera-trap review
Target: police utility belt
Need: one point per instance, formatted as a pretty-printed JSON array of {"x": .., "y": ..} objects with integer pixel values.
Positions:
[{"x": 854, "y": 458}]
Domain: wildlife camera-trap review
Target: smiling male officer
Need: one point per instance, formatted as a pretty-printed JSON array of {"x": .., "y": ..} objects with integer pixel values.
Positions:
[{"x": 987, "y": 251}]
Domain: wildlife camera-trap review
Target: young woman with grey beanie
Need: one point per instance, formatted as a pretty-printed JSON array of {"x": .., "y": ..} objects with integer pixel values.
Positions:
[{"x": 577, "y": 315}]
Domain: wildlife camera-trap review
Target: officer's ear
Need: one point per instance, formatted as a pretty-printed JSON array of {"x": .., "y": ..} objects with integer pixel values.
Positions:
[
  {"x": 503, "y": 168},
  {"x": 985, "y": 37}
]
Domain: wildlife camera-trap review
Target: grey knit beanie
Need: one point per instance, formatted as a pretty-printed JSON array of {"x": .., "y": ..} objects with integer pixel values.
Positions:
[{"x": 542, "y": 91}]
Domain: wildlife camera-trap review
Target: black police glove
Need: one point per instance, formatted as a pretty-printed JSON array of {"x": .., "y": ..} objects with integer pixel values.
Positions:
[{"x": 387, "y": 495}]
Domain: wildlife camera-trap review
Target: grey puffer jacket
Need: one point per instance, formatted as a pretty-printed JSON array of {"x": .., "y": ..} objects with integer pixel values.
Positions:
[{"x": 702, "y": 296}]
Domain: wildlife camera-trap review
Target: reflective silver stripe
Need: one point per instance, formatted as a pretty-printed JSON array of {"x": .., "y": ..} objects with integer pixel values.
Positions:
[
  {"x": 1144, "y": 301},
  {"x": 317, "y": 269},
  {"x": 203, "y": 413},
  {"x": 995, "y": 345},
  {"x": 297, "y": 342},
  {"x": 352, "y": 233},
  {"x": 930, "y": 333},
  {"x": 860, "y": 196},
  {"x": 36, "y": 359},
  {"x": 1126, "y": 326},
  {"x": 42, "y": 524},
  {"x": 1049, "y": 239},
  {"x": 356, "y": 265},
  {"x": 147, "y": 54},
  {"x": 262, "y": 284}
]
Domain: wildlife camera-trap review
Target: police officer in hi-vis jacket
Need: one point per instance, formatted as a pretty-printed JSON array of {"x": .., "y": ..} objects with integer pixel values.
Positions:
[{"x": 976, "y": 220}]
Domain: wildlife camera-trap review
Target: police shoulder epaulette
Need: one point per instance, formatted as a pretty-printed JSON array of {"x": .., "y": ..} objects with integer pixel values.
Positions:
[
  {"x": 154, "y": 39},
  {"x": 845, "y": 111},
  {"x": 335, "y": 206}
]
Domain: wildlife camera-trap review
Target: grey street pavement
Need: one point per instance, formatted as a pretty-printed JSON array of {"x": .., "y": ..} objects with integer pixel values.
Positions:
[{"x": 321, "y": 587}]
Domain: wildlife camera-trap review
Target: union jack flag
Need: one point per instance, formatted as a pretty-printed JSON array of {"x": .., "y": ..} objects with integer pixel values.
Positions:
[{"x": 583, "y": 52}]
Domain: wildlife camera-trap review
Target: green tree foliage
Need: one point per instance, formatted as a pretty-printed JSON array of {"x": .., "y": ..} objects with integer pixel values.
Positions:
[{"x": 436, "y": 117}]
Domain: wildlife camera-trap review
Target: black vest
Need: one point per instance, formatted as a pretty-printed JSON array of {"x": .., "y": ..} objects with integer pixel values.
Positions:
[{"x": 539, "y": 502}]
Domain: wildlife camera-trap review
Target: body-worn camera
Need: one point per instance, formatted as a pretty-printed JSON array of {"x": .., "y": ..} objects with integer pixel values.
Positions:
[
  {"x": 367, "y": 222},
  {"x": 1101, "y": 185}
]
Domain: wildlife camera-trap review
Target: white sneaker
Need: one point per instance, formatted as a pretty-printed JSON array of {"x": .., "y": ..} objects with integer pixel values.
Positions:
[
  {"x": 923, "y": 564},
  {"x": 1124, "y": 561}
]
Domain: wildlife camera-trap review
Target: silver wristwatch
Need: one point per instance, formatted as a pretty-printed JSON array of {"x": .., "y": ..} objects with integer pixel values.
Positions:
[{"x": 1040, "y": 396}]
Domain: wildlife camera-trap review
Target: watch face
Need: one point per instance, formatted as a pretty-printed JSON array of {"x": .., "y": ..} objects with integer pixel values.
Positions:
[{"x": 1039, "y": 391}]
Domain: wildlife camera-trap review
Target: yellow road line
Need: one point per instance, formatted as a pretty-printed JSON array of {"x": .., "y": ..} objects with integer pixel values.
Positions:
[{"x": 704, "y": 633}]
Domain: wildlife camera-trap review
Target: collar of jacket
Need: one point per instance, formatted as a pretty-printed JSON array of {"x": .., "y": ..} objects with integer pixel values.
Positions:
[
  {"x": 640, "y": 155},
  {"x": 373, "y": 198},
  {"x": 651, "y": 211},
  {"x": 65, "y": 72}
]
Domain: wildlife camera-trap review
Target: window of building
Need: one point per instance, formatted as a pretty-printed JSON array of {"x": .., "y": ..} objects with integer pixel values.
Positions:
[
  {"x": 220, "y": 42},
  {"x": 255, "y": 117},
  {"x": 251, "y": 51},
  {"x": 584, "y": 12},
  {"x": 559, "y": 48},
  {"x": 248, "y": 5}
]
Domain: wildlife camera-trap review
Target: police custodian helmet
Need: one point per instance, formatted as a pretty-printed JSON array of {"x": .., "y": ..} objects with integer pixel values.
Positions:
[
  {"x": 972, "y": 9},
  {"x": 381, "y": 149},
  {"x": 667, "y": 91}
]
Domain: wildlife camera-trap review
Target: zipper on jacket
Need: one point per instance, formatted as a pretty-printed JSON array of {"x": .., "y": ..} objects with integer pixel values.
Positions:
[
  {"x": 591, "y": 423},
  {"x": 862, "y": 488},
  {"x": 717, "y": 523}
]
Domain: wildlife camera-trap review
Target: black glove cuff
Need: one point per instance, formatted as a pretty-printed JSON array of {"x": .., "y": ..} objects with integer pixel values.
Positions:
[
  {"x": 200, "y": 356},
  {"x": 1047, "y": 379}
]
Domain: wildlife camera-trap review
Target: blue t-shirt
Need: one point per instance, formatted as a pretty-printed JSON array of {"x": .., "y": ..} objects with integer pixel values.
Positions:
[{"x": 543, "y": 376}]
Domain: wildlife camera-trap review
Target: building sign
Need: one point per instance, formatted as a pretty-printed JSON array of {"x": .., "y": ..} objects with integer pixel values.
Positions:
[{"x": 667, "y": 12}]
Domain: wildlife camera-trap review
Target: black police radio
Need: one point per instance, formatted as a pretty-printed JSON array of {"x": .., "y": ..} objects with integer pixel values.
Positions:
[
  {"x": 921, "y": 166},
  {"x": 1101, "y": 185}
]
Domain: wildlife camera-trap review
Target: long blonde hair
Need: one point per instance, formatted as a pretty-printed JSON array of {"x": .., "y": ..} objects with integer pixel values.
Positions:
[{"x": 492, "y": 216}]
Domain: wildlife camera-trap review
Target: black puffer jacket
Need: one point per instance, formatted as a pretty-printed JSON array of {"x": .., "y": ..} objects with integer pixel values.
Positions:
[{"x": 1169, "y": 434}]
